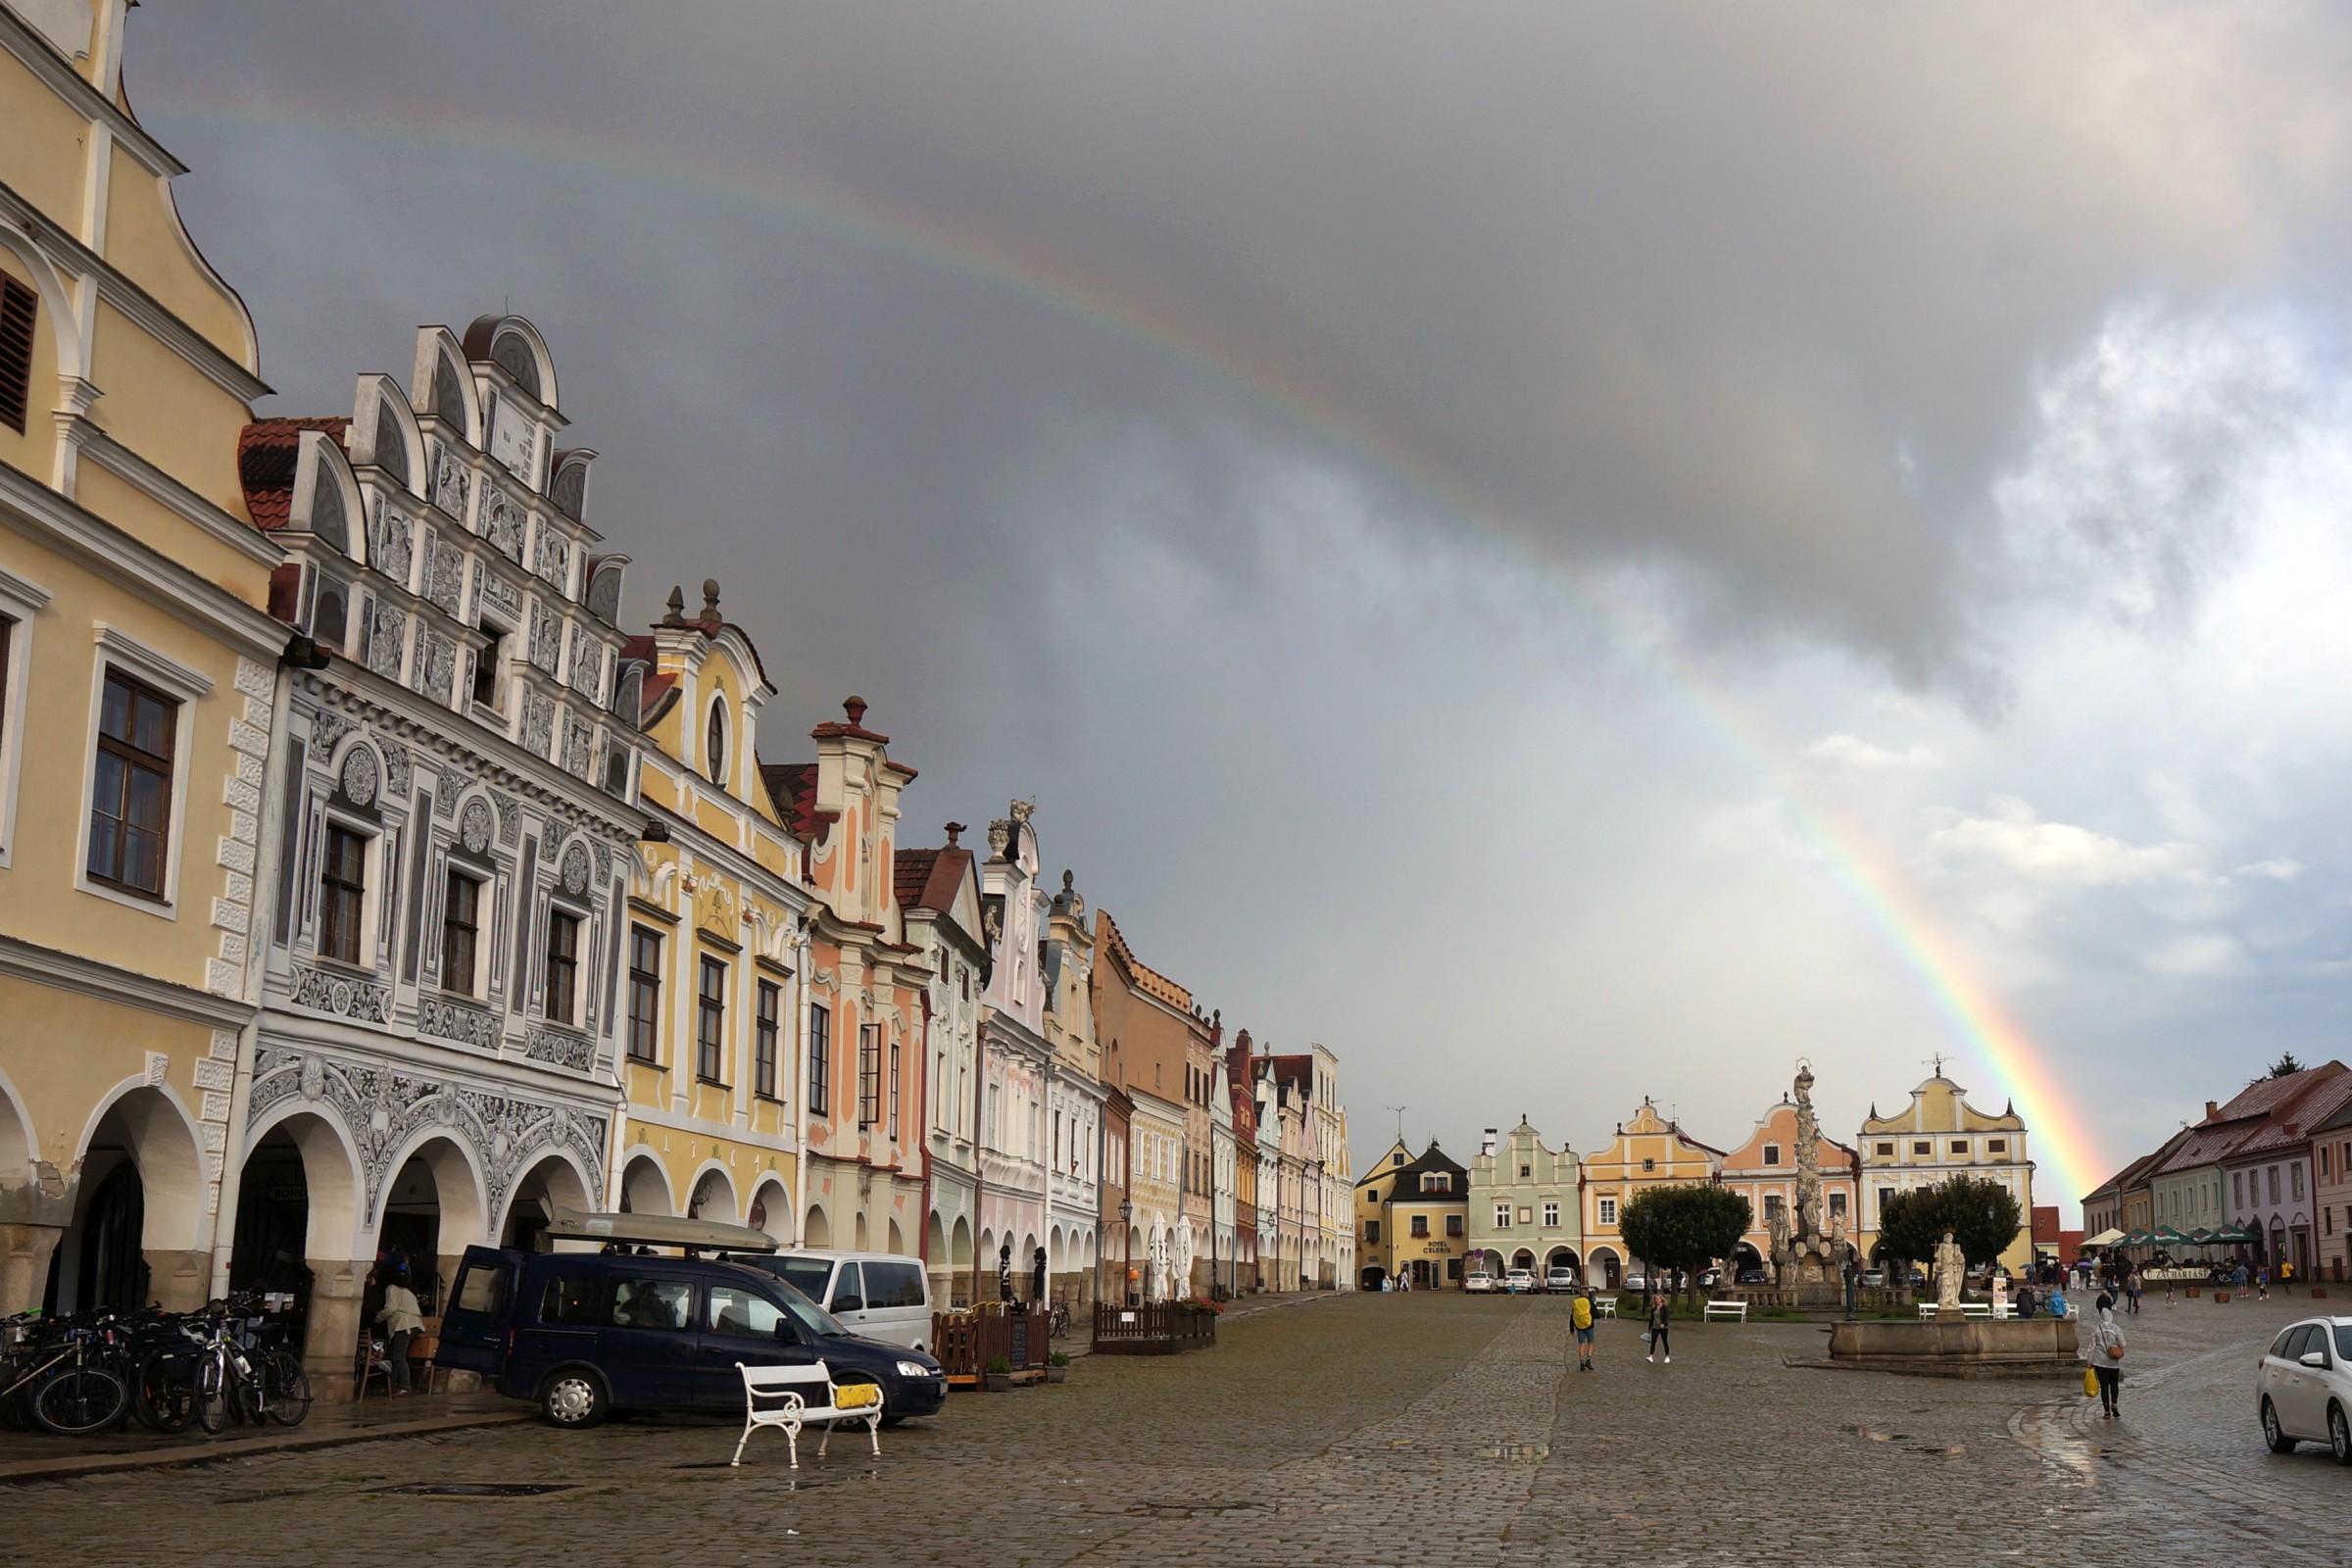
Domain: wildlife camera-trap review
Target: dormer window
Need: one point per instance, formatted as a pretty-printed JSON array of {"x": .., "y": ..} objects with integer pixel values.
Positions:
[
  {"x": 714, "y": 745},
  {"x": 1434, "y": 1181}
]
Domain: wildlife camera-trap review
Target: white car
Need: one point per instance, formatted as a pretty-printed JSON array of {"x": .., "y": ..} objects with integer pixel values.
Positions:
[
  {"x": 2303, "y": 1387},
  {"x": 1479, "y": 1282},
  {"x": 1636, "y": 1283},
  {"x": 1519, "y": 1281},
  {"x": 1560, "y": 1279}
]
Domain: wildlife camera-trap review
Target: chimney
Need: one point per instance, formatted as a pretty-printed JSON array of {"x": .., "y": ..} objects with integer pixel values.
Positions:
[
  {"x": 1485, "y": 1144},
  {"x": 2212, "y": 1110}
]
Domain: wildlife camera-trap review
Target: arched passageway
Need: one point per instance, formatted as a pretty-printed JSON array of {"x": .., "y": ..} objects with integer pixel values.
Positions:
[
  {"x": 134, "y": 1238},
  {"x": 551, "y": 1184}
]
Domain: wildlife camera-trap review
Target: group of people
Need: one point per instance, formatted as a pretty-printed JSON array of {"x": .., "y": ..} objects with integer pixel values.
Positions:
[{"x": 1658, "y": 1335}]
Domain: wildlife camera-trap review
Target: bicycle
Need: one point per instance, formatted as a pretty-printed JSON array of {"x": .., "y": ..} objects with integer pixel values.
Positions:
[
  {"x": 235, "y": 1374},
  {"x": 1060, "y": 1321},
  {"x": 72, "y": 1391}
]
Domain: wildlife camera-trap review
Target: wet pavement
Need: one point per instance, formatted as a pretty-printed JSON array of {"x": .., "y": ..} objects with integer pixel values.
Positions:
[{"x": 1428, "y": 1427}]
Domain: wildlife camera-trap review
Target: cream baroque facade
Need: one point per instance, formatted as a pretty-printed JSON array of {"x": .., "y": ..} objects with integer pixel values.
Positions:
[
  {"x": 712, "y": 996},
  {"x": 1013, "y": 1055},
  {"x": 436, "y": 1060},
  {"x": 1939, "y": 1135},
  {"x": 1074, "y": 1100},
  {"x": 939, "y": 897},
  {"x": 139, "y": 697}
]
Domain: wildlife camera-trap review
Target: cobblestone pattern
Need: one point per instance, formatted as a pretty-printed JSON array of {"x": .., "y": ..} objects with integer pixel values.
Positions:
[{"x": 1367, "y": 1429}]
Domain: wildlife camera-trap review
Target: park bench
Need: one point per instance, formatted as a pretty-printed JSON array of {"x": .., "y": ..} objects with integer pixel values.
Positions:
[
  {"x": 1926, "y": 1309},
  {"x": 1605, "y": 1307},
  {"x": 778, "y": 1397},
  {"x": 1735, "y": 1311}
]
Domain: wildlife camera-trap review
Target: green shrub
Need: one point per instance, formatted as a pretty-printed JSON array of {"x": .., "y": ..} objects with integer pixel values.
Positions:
[
  {"x": 1058, "y": 1359},
  {"x": 998, "y": 1367}
]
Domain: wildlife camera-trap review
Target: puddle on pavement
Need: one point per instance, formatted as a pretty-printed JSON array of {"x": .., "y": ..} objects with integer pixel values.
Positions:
[
  {"x": 473, "y": 1489},
  {"x": 1517, "y": 1452}
]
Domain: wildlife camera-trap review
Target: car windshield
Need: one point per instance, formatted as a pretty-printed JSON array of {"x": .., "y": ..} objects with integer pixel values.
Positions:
[{"x": 812, "y": 1318}]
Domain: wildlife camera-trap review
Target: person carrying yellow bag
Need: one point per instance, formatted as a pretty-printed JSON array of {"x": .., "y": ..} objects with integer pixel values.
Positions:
[{"x": 2101, "y": 1345}]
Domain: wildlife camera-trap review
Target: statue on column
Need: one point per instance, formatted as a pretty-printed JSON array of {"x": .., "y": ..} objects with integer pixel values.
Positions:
[{"x": 1809, "y": 1225}]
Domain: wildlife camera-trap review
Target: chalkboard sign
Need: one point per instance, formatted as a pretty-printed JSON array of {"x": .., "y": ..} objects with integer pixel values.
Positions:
[{"x": 1021, "y": 1339}]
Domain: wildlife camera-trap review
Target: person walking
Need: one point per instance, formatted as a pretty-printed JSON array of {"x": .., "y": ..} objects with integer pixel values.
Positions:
[
  {"x": 2100, "y": 1345},
  {"x": 403, "y": 1321},
  {"x": 1580, "y": 1322},
  {"x": 2133, "y": 1284},
  {"x": 2262, "y": 1283},
  {"x": 1661, "y": 1317}
]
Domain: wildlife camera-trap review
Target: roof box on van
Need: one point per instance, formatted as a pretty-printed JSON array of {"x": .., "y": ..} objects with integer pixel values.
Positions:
[{"x": 657, "y": 1230}]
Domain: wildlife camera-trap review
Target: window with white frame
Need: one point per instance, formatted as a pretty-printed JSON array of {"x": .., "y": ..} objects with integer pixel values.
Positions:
[
  {"x": 20, "y": 603},
  {"x": 1552, "y": 1216},
  {"x": 460, "y": 932},
  {"x": 130, "y": 799},
  {"x": 561, "y": 971},
  {"x": 1502, "y": 1216},
  {"x": 343, "y": 895},
  {"x": 1608, "y": 1211}
]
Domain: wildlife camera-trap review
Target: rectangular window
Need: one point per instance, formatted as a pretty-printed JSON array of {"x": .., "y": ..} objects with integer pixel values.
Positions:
[
  {"x": 1502, "y": 1216},
  {"x": 461, "y": 930},
  {"x": 1837, "y": 1206},
  {"x": 2274, "y": 1184},
  {"x": 2295, "y": 1178},
  {"x": 1996, "y": 1146},
  {"x": 1885, "y": 1150},
  {"x": 19, "y": 306},
  {"x": 132, "y": 790},
  {"x": 562, "y": 966},
  {"x": 893, "y": 1100},
  {"x": 1772, "y": 1154},
  {"x": 1372, "y": 1232},
  {"x": 2237, "y": 1188},
  {"x": 1886, "y": 1196},
  {"x": 1922, "y": 1148},
  {"x": 820, "y": 1061},
  {"x": 710, "y": 1022},
  {"x": 870, "y": 1074},
  {"x": 1608, "y": 1211},
  {"x": 645, "y": 995},
  {"x": 1552, "y": 1216},
  {"x": 342, "y": 895},
  {"x": 1420, "y": 1224},
  {"x": 1454, "y": 1224},
  {"x": 763, "y": 1038},
  {"x": 1959, "y": 1145}
]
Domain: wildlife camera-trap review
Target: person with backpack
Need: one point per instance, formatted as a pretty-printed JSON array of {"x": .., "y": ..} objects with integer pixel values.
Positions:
[
  {"x": 1661, "y": 1315},
  {"x": 1580, "y": 1320}
]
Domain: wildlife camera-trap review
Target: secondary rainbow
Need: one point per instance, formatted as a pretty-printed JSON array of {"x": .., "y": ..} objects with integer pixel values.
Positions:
[{"x": 2065, "y": 1147}]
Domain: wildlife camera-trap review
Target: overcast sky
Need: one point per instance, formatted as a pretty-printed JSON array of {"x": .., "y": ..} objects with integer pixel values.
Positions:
[{"x": 1357, "y": 464}]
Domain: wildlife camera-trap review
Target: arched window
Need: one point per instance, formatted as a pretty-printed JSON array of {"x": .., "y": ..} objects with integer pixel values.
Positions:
[
  {"x": 449, "y": 395},
  {"x": 714, "y": 745},
  {"x": 511, "y": 354},
  {"x": 330, "y": 616},
  {"x": 326, "y": 512}
]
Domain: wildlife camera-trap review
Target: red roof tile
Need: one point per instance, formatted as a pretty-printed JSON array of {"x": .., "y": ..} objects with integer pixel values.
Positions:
[
  {"x": 2267, "y": 1095},
  {"x": 792, "y": 786},
  {"x": 267, "y": 452}
]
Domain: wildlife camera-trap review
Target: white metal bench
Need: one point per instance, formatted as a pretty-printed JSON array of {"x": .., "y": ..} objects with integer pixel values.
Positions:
[
  {"x": 774, "y": 1396},
  {"x": 1736, "y": 1310},
  {"x": 1605, "y": 1307},
  {"x": 1928, "y": 1309}
]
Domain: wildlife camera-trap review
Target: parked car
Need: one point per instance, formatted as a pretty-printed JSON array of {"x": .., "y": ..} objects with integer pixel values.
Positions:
[
  {"x": 1480, "y": 1283},
  {"x": 1752, "y": 1276},
  {"x": 2303, "y": 1388},
  {"x": 1873, "y": 1278},
  {"x": 585, "y": 1334},
  {"x": 1519, "y": 1281},
  {"x": 1559, "y": 1279},
  {"x": 875, "y": 1294},
  {"x": 1636, "y": 1282}
]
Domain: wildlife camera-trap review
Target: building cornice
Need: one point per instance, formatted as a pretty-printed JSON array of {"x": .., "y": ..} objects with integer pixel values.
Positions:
[
  {"x": 102, "y": 548},
  {"x": 25, "y": 960},
  {"x": 57, "y": 72},
  {"x": 153, "y": 482}
]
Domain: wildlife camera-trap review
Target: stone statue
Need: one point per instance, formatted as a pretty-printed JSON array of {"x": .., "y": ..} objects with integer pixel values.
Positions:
[
  {"x": 1784, "y": 1263},
  {"x": 1808, "y": 1160},
  {"x": 1951, "y": 1264}
]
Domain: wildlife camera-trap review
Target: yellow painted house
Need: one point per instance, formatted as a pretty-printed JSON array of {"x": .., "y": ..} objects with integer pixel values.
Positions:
[
  {"x": 1938, "y": 1135},
  {"x": 1414, "y": 1217},
  {"x": 1648, "y": 1150},
  {"x": 139, "y": 695},
  {"x": 713, "y": 1001}
]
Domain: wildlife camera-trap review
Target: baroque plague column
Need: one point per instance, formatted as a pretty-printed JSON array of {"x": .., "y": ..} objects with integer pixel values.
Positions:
[{"x": 435, "y": 1063}]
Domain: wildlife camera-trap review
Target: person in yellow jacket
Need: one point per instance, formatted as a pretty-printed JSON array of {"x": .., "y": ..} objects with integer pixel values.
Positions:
[{"x": 1580, "y": 1319}]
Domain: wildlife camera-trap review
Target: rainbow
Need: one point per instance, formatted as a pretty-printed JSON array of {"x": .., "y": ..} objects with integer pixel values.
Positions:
[{"x": 2063, "y": 1145}]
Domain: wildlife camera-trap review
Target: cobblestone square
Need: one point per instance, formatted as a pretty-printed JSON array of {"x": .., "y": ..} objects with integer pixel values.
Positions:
[{"x": 1429, "y": 1427}]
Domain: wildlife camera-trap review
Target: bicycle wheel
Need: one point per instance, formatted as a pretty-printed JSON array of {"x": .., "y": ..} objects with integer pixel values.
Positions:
[
  {"x": 288, "y": 1387},
  {"x": 74, "y": 1400},
  {"x": 212, "y": 1400},
  {"x": 163, "y": 1395}
]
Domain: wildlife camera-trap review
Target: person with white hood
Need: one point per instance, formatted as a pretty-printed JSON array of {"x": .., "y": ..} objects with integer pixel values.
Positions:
[{"x": 2101, "y": 1343}]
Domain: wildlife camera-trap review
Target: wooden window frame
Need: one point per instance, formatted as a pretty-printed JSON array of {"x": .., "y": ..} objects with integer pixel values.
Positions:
[
  {"x": 870, "y": 1074},
  {"x": 820, "y": 1059},
  {"x": 134, "y": 760},
  {"x": 895, "y": 1079},
  {"x": 456, "y": 930},
  {"x": 343, "y": 898},
  {"x": 560, "y": 968},
  {"x": 644, "y": 1043},
  {"x": 711, "y": 1021},
  {"x": 767, "y": 1031}
]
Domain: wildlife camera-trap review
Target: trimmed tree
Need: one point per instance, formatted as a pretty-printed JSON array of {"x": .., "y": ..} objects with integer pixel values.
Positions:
[
  {"x": 1982, "y": 1214},
  {"x": 1682, "y": 1228}
]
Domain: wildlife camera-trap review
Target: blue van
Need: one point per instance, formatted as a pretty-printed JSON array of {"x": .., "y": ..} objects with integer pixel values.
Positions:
[{"x": 585, "y": 1334}]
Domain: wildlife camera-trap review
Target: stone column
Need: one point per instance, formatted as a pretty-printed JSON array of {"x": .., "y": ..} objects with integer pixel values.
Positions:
[
  {"x": 25, "y": 1253},
  {"x": 331, "y": 1338},
  {"x": 179, "y": 1281}
]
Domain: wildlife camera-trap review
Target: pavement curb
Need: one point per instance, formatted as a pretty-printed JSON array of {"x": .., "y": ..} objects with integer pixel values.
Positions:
[{"x": 71, "y": 1466}]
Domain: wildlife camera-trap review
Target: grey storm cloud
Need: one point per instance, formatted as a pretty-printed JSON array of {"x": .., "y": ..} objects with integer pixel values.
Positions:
[{"x": 1101, "y": 389}]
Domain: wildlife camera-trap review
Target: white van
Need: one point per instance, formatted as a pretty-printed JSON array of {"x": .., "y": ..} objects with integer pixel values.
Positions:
[{"x": 875, "y": 1295}]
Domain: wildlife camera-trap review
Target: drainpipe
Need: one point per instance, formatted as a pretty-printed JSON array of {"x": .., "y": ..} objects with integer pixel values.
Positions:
[
  {"x": 979, "y": 1159},
  {"x": 802, "y": 977},
  {"x": 275, "y": 787},
  {"x": 922, "y": 1098}
]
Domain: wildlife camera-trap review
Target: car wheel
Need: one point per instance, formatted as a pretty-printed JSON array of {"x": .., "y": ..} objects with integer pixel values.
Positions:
[
  {"x": 2272, "y": 1432},
  {"x": 2339, "y": 1434},
  {"x": 573, "y": 1399}
]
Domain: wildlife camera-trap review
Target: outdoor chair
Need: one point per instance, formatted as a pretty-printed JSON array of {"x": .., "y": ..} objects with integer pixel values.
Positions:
[{"x": 778, "y": 1397}]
